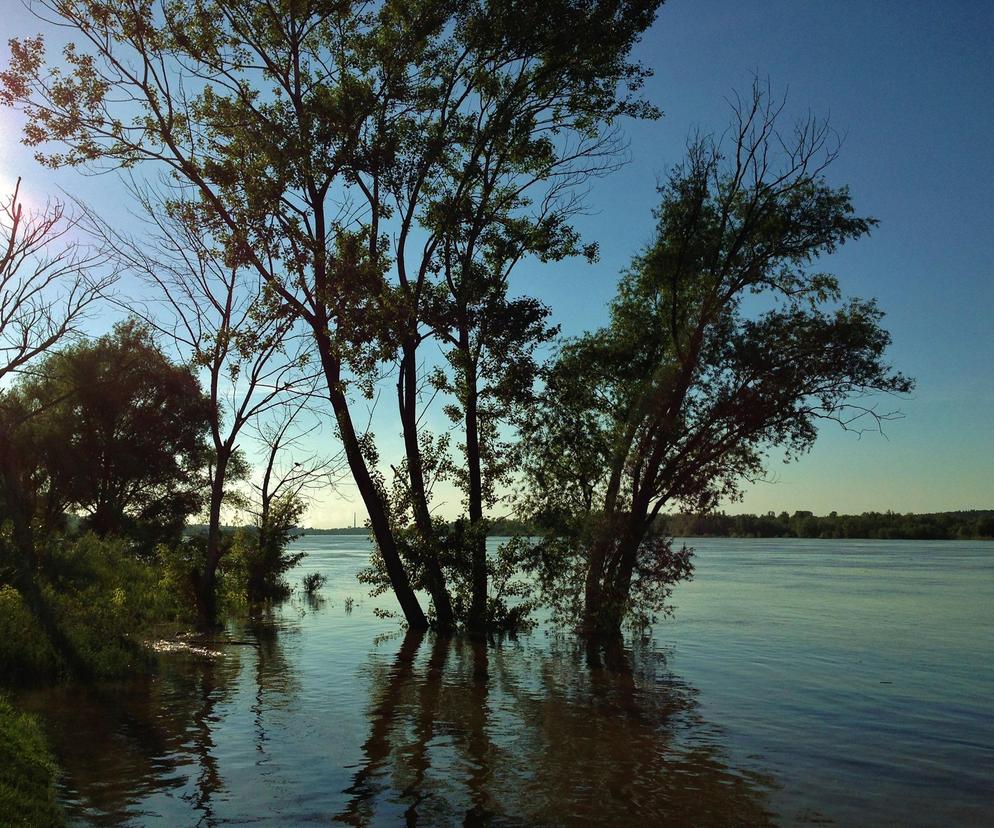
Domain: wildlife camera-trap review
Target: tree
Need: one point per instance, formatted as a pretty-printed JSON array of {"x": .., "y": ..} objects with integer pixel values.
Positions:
[
  {"x": 122, "y": 440},
  {"x": 218, "y": 318},
  {"x": 304, "y": 135},
  {"x": 280, "y": 498},
  {"x": 492, "y": 341},
  {"x": 679, "y": 398},
  {"x": 49, "y": 280}
]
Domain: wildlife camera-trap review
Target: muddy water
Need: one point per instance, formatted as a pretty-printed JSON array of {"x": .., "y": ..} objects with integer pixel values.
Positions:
[{"x": 800, "y": 682}]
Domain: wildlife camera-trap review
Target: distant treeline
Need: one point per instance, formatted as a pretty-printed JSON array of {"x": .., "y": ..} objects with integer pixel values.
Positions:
[
  {"x": 502, "y": 527},
  {"x": 977, "y": 524},
  {"x": 966, "y": 525}
]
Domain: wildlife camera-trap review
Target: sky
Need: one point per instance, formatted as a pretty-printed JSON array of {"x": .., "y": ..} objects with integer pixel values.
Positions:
[{"x": 911, "y": 86}]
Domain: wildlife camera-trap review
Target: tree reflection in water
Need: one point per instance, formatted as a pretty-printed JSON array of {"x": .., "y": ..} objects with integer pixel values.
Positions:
[
  {"x": 507, "y": 735},
  {"x": 121, "y": 745},
  {"x": 456, "y": 731}
]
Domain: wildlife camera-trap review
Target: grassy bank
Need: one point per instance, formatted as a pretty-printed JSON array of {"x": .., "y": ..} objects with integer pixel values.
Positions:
[
  {"x": 27, "y": 772},
  {"x": 86, "y": 616}
]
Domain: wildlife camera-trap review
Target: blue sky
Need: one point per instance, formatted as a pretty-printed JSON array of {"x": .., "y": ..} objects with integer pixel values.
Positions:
[{"x": 912, "y": 87}]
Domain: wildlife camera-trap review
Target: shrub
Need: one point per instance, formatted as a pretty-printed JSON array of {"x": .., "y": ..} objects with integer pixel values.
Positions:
[
  {"x": 27, "y": 772},
  {"x": 101, "y": 601},
  {"x": 25, "y": 651},
  {"x": 314, "y": 582}
]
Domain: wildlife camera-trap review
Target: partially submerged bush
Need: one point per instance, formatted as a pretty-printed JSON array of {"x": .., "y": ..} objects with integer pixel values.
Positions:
[
  {"x": 27, "y": 772},
  {"x": 314, "y": 582},
  {"x": 255, "y": 561}
]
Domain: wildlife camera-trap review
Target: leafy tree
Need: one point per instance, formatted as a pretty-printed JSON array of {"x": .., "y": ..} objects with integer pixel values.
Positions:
[
  {"x": 122, "y": 440},
  {"x": 304, "y": 136},
  {"x": 492, "y": 341},
  {"x": 722, "y": 343},
  {"x": 49, "y": 281},
  {"x": 217, "y": 317}
]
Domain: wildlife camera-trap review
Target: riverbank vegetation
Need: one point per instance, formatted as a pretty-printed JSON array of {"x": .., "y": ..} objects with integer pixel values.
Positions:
[
  {"x": 976, "y": 524},
  {"x": 27, "y": 773},
  {"x": 345, "y": 194}
]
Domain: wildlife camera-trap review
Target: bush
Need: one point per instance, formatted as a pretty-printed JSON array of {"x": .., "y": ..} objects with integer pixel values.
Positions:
[
  {"x": 25, "y": 651},
  {"x": 27, "y": 772},
  {"x": 99, "y": 599},
  {"x": 314, "y": 582}
]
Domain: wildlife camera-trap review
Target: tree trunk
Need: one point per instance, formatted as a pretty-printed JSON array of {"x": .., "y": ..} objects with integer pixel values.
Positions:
[
  {"x": 207, "y": 583},
  {"x": 606, "y": 590},
  {"x": 19, "y": 506},
  {"x": 371, "y": 497},
  {"x": 407, "y": 398},
  {"x": 478, "y": 604},
  {"x": 596, "y": 594}
]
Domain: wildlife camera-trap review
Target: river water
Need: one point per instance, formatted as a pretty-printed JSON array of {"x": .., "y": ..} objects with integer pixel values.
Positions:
[{"x": 798, "y": 683}]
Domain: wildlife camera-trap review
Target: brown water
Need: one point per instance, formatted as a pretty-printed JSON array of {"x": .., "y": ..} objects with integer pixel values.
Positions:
[{"x": 800, "y": 682}]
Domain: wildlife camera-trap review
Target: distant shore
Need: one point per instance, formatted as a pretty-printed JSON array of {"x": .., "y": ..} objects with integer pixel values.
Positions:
[{"x": 975, "y": 524}]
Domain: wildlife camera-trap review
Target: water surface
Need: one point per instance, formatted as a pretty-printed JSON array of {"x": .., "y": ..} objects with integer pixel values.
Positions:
[{"x": 799, "y": 682}]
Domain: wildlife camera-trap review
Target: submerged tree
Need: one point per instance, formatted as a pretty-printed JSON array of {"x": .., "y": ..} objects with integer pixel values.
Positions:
[
  {"x": 280, "y": 496},
  {"x": 491, "y": 341},
  {"x": 722, "y": 344},
  {"x": 304, "y": 135}
]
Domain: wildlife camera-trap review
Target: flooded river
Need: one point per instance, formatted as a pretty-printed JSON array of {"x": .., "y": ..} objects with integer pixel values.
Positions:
[{"x": 799, "y": 682}]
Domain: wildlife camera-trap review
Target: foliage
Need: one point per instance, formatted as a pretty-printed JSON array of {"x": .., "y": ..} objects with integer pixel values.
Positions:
[
  {"x": 444, "y": 124},
  {"x": 679, "y": 398},
  {"x": 27, "y": 772},
  {"x": 119, "y": 437},
  {"x": 267, "y": 555},
  {"x": 25, "y": 651},
  {"x": 969, "y": 525},
  {"x": 101, "y": 600},
  {"x": 313, "y": 582}
]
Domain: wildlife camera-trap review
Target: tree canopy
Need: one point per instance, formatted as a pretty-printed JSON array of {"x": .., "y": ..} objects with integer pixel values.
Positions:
[
  {"x": 342, "y": 152},
  {"x": 120, "y": 437},
  {"x": 722, "y": 343}
]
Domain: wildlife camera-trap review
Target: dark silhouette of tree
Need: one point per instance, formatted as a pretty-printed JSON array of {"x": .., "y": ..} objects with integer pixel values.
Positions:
[
  {"x": 306, "y": 137},
  {"x": 491, "y": 342},
  {"x": 678, "y": 399},
  {"x": 122, "y": 437},
  {"x": 252, "y": 358},
  {"x": 49, "y": 281}
]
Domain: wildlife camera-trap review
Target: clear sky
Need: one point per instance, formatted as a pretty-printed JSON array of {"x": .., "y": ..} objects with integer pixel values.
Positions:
[{"x": 912, "y": 87}]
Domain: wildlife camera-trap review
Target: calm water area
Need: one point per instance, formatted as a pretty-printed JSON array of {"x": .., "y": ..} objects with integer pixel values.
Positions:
[{"x": 798, "y": 683}]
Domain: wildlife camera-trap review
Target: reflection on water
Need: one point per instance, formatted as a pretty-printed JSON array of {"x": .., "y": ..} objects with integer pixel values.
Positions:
[
  {"x": 458, "y": 732},
  {"x": 462, "y": 733},
  {"x": 123, "y": 744},
  {"x": 798, "y": 684}
]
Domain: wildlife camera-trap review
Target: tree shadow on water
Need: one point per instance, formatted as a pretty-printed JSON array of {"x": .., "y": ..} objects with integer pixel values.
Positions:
[{"x": 517, "y": 734}]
